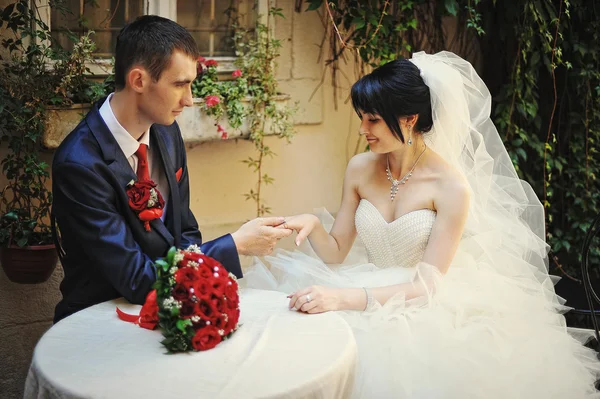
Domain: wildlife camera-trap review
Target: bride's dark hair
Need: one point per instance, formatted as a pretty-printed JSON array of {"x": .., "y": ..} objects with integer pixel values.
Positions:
[{"x": 391, "y": 91}]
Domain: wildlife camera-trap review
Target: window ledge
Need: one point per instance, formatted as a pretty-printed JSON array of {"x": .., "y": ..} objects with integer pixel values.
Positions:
[
  {"x": 102, "y": 67},
  {"x": 195, "y": 125}
]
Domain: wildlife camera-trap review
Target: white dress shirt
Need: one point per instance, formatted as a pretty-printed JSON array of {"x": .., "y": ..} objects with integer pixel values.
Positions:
[{"x": 129, "y": 146}]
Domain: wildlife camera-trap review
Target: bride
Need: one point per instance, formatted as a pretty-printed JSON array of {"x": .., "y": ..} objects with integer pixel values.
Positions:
[{"x": 447, "y": 286}]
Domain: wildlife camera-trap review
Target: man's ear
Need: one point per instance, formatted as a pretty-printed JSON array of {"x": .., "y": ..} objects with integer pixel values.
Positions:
[{"x": 138, "y": 79}]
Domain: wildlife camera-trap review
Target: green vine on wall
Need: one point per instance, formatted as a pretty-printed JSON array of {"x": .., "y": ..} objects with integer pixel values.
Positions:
[
  {"x": 253, "y": 97},
  {"x": 550, "y": 110},
  {"x": 257, "y": 58}
]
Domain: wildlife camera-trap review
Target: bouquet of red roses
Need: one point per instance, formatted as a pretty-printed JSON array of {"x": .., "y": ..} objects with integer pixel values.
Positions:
[{"x": 195, "y": 301}]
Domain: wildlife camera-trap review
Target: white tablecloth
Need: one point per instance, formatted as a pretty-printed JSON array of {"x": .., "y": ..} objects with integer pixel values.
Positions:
[{"x": 276, "y": 353}]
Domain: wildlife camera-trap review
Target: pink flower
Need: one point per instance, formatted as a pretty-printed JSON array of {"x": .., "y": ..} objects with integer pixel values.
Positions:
[
  {"x": 211, "y": 63},
  {"x": 211, "y": 101},
  {"x": 201, "y": 59},
  {"x": 237, "y": 73},
  {"x": 224, "y": 134}
]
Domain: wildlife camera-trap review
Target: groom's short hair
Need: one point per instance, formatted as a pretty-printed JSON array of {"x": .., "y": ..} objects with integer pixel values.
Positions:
[{"x": 149, "y": 41}]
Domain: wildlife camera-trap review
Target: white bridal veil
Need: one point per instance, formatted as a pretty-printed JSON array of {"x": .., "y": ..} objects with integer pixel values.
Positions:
[{"x": 506, "y": 219}]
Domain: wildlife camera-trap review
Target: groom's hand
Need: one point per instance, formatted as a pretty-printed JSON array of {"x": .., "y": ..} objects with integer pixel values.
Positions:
[{"x": 258, "y": 237}]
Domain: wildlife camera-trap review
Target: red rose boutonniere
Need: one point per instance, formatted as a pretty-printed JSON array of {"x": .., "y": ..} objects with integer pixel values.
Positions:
[{"x": 145, "y": 200}]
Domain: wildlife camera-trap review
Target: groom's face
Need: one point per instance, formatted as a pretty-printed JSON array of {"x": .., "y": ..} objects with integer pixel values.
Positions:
[{"x": 165, "y": 99}]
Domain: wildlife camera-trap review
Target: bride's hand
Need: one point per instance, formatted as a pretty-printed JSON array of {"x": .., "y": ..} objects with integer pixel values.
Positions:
[
  {"x": 316, "y": 299},
  {"x": 302, "y": 224}
]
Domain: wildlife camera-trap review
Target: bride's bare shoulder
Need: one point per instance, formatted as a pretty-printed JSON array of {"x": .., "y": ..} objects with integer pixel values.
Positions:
[
  {"x": 361, "y": 164},
  {"x": 450, "y": 182},
  {"x": 364, "y": 159}
]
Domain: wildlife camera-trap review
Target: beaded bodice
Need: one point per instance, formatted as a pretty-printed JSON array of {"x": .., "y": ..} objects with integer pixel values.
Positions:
[{"x": 399, "y": 243}]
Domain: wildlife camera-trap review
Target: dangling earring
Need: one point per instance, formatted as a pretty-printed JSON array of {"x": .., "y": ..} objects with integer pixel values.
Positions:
[{"x": 409, "y": 135}]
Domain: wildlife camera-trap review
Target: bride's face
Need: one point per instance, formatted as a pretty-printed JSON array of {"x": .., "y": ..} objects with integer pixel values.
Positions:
[{"x": 380, "y": 137}]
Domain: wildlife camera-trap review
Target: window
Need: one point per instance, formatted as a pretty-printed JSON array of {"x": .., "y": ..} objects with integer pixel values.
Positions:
[
  {"x": 209, "y": 21},
  {"x": 104, "y": 17}
]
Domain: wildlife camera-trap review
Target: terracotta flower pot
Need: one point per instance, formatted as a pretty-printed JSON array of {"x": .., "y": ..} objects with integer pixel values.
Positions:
[{"x": 29, "y": 265}]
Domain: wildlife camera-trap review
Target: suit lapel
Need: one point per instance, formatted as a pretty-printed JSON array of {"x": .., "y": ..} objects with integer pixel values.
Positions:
[
  {"x": 118, "y": 164},
  {"x": 111, "y": 152},
  {"x": 173, "y": 212},
  {"x": 160, "y": 227}
]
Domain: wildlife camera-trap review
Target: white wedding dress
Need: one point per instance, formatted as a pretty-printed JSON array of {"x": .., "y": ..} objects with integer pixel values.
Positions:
[
  {"x": 491, "y": 327},
  {"x": 480, "y": 335}
]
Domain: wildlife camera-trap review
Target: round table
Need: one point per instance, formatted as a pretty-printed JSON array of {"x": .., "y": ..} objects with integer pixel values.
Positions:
[{"x": 276, "y": 353}]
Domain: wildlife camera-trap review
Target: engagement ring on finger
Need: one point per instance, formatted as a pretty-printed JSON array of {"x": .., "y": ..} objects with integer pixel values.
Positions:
[{"x": 307, "y": 297}]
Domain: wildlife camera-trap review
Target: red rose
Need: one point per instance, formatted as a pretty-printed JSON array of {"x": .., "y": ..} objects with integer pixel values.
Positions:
[
  {"x": 205, "y": 309},
  {"x": 149, "y": 312},
  {"x": 231, "y": 293},
  {"x": 220, "y": 321},
  {"x": 218, "y": 303},
  {"x": 206, "y": 338},
  {"x": 211, "y": 63},
  {"x": 211, "y": 101},
  {"x": 186, "y": 275},
  {"x": 181, "y": 292},
  {"x": 211, "y": 262},
  {"x": 202, "y": 288},
  {"x": 187, "y": 310},
  {"x": 233, "y": 317},
  {"x": 200, "y": 60},
  {"x": 139, "y": 194},
  {"x": 218, "y": 287},
  {"x": 204, "y": 271},
  {"x": 237, "y": 73}
]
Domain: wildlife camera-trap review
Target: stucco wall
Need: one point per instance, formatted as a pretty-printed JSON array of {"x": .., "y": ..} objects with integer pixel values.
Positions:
[{"x": 308, "y": 174}]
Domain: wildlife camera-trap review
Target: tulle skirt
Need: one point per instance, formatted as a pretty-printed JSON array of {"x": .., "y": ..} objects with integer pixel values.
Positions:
[{"x": 477, "y": 333}]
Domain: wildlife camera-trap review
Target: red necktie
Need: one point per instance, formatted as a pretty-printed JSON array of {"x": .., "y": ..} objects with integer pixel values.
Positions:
[{"x": 143, "y": 173}]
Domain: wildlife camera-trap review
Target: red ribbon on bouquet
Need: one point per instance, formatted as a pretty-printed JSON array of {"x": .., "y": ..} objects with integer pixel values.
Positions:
[{"x": 148, "y": 317}]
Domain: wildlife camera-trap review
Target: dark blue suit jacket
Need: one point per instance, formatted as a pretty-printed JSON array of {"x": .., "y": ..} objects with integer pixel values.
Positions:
[{"x": 105, "y": 251}]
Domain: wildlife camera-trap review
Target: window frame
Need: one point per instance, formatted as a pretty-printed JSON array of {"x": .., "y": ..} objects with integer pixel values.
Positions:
[{"x": 165, "y": 8}]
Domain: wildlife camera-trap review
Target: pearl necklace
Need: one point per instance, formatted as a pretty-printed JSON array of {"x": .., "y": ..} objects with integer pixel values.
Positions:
[{"x": 404, "y": 179}]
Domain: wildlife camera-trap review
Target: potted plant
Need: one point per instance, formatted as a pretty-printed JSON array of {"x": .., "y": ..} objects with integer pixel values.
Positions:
[
  {"x": 223, "y": 105},
  {"x": 34, "y": 77}
]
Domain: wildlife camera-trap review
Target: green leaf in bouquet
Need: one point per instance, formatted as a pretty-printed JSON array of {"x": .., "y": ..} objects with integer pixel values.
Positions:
[
  {"x": 174, "y": 311},
  {"x": 182, "y": 324},
  {"x": 171, "y": 255},
  {"x": 163, "y": 265}
]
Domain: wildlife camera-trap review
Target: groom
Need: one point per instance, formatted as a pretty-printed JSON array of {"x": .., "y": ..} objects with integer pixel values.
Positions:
[{"x": 106, "y": 251}]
